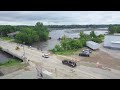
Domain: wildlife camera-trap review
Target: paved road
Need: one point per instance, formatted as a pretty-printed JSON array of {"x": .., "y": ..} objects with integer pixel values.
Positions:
[{"x": 55, "y": 67}]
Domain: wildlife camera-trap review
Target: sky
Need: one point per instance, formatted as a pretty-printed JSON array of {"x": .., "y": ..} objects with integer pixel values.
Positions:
[{"x": 59, "y": 17}]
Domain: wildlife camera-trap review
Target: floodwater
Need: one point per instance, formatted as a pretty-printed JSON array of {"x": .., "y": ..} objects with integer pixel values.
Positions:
[
  {"x": 4, "y": 57},
  {"x": 70, "y": 33}
]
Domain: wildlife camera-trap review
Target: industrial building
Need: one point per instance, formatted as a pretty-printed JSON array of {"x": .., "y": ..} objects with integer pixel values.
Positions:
[{"x": 112, "y": 41}]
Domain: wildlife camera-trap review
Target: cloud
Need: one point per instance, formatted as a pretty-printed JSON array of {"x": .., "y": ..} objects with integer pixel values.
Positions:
[{"x": 59, "y": 17}]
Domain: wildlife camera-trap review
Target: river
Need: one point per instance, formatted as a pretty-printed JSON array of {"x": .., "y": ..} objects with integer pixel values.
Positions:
[
  {"x": 4, "y": 57},
  {"x": 70, "y": 33}
]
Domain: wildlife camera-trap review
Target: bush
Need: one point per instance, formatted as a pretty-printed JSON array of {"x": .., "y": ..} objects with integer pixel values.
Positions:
[
  {"x": 58, "y": 48},
  {"x": 97, "y": 40}
]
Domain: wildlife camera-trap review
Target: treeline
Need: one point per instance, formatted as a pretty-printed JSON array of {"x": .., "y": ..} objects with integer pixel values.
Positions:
[
  {"x": 5, "y": 29},
  {"x": 81, "y": 26},
  {"x": 114, "y": 29},
  {"x": 27, "y": 34}
]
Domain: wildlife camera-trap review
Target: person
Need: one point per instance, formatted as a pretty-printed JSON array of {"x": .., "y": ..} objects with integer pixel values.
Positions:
[{"x": 98, "y": 65}]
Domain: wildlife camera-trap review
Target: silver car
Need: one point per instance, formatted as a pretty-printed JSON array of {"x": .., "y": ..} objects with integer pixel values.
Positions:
[{"x": 45, "y": 55}]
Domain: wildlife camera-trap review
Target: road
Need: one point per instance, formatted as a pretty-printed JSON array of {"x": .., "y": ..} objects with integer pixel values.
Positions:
[{"x": 55, "y": 67}]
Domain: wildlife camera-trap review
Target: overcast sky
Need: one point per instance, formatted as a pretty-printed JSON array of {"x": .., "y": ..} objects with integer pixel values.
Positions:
[{"x": 59, "y": 17}]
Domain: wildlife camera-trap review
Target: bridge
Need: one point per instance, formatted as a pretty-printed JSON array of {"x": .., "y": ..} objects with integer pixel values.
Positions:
[{"x": 54, "y": 65}]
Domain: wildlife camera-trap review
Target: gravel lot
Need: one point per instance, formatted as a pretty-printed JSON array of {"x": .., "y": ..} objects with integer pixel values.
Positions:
[{"x": 107, "y": 57}]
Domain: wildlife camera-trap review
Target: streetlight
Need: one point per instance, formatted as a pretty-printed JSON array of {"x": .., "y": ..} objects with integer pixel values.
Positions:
[{"x": 23, "y": 49}]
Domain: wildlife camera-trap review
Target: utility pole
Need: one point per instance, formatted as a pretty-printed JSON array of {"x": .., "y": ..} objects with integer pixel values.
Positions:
[
  {"x": 39, "y": 71},
  {"x": 23, "y": 49}
]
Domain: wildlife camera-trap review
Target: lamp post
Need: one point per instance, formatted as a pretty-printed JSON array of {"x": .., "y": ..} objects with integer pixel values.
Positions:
[{"x": 23, "y": 49}]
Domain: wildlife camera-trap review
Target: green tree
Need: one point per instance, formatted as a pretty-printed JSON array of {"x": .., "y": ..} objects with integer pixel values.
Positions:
[
  {"x": 114, "y": 29},
  {"x": 5, "y": 29},
  {"x": 42, "y": 31},
  {"x": 28, "y": 36},
  {"x": 92, "y": 34}
]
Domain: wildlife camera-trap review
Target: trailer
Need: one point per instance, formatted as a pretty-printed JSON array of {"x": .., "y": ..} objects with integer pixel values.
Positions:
[{"x": 92, "y": 45}]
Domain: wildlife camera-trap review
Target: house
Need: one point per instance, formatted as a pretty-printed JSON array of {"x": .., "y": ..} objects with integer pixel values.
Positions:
[
  {"x": 92, "y": 45},
  {"x": 12, "y": 35},
  {"x": 112, "y": 41}
]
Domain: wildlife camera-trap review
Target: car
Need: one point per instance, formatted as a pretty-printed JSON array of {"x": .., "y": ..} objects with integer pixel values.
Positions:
[
  {"x": 85, "y": 53},
  {"x": 69, "y": 63},
  {"x": 45, "y": 55},
  {"x": 90, "y": 51}
]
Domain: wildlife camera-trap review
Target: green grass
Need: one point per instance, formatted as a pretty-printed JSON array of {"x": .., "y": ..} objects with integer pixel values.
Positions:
[
  {"x": 11, "y": 62},
  {"x": 16, "y": 41},
  {"x": 6, "y": 38},
  {"x": 68, "y": 52}
]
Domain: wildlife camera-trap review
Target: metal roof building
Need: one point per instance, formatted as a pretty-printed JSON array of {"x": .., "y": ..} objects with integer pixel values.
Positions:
[
  {"x": 93, "y": 45},
  {"x": 112, "y": 41}
]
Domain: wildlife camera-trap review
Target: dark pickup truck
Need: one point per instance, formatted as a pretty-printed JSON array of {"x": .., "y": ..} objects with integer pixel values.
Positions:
[{"x": 69, "y": 63}]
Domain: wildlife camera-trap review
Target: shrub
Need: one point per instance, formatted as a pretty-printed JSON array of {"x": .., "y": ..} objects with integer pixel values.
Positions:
[{"x": 97, "y": 40}]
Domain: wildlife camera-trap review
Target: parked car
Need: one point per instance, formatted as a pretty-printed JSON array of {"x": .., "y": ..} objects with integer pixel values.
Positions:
[
  {"x": 85, "y": 53},
  {"x": 45, "y": 55},
  {"x": 69, "y": 63},
  {"x": 90, "y": 51}
]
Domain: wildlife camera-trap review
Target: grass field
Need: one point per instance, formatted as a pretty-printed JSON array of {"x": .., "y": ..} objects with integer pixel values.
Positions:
[{"x": 11, "y": 62}]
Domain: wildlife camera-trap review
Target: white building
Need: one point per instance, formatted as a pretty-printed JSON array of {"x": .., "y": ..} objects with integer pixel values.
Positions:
[
  {"x": 93, "y": 45},
  {"x": 112, "y": 41}
]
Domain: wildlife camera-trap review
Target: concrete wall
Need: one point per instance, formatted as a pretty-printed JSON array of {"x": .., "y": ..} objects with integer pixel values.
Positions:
[{"x": 112, "y": 38}]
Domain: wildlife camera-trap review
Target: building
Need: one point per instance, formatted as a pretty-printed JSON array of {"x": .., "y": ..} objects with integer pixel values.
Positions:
[
  {"x": 93, "y": 45},
  {"x": 112, "y": 41},
  {"x": 12, "y": 35}
]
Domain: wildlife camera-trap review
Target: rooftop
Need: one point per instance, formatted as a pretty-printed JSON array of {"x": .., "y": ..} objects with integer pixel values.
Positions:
[
  {"x": 14, "y": 33},
  {"x": 94, "y": 43}
]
